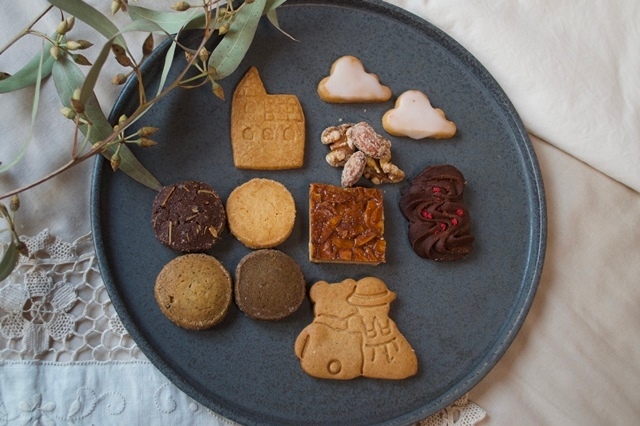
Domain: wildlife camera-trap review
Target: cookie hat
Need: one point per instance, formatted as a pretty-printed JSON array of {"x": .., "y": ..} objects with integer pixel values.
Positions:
[{"x": 371, "y": 291}]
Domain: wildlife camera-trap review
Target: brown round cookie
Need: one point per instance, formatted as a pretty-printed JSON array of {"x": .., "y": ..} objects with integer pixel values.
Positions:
[
  {"x": 269, "y": 285},
  {"x": 188, "y": 216},
  {"x": 194, "y": 291},
  {"x": 261, "y": 213}
]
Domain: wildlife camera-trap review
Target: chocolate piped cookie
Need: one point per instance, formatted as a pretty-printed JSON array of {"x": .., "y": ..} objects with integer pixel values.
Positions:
[{"x": 439, "y": 223}]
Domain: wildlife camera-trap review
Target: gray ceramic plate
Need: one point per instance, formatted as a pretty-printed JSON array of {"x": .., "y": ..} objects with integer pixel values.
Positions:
[{"x": 460, "y": 317}]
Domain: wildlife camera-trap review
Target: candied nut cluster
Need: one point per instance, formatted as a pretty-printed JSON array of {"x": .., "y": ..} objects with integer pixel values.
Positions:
[
  {"x": 346, "y": 225},
  {"x": 360, "y": 151},
  {"x": 336, "y": 138}
]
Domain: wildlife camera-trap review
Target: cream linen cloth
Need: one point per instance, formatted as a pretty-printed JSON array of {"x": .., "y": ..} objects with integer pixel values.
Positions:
[{"x": 572, "y": 70}]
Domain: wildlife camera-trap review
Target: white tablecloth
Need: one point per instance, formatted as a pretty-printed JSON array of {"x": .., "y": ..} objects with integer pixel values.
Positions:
[{"x": 571, "y": 69}]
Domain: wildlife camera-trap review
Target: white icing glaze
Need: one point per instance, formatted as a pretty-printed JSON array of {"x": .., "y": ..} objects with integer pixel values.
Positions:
[
  {"x": 348, "y": 80},
  {"x": 415, "y": 117}
]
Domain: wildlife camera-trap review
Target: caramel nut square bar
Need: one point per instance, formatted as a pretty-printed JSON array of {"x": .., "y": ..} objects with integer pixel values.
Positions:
[{"x": 346, "y": 225}]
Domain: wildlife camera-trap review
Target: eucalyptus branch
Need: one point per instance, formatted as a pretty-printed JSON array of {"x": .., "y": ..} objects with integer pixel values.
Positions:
[
  {"x": 215, "y": 66},
  {"x": 99, "y": 147},
  {"x": 144, "y": 106},
  {"x": 66, "y": 166},
  {"x": 25, "y": 31},
  {"x": 75, "y": 136}
]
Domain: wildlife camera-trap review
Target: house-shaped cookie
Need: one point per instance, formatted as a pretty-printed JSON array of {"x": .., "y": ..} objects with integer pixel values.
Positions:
[{"x": 267, "y": 131}]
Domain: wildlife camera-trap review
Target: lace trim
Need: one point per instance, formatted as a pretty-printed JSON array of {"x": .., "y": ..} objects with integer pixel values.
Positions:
[
  {"x": 461, "y": 413},
  {"x": 54, "y": 308}
]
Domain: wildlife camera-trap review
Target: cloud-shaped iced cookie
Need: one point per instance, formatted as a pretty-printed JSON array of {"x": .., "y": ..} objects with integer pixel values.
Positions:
[
  {"x": 348, "y": 82},
  {"x": 413, "y": 116}
]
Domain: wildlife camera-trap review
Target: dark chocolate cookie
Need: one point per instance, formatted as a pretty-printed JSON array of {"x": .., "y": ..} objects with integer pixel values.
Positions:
[
  {"x": 188, "y": 216},
  {"x": 439, "y": 223},
  {"x": 269, "y": 285}
]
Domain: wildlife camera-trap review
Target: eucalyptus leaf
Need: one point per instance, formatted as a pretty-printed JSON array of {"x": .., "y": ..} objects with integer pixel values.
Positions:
[
  {"x": 9, "y": 260},
  {"x": 226, "y": 57},
  {"x": 170, "y": 22},
  {"x": 34, "y": 111},
  {"x": 168, "y": 61},
  {"x": 170, "y": 55},
  {"x": 94, "y": 72},
  {"x": 273, "y": 18},
  {"x": 67, "y": 77},
  {"x": 92, "y": 17},
  {"x": 272, "y": 5},
  {"x": 144, "y": 26},
  {"x": 270, "y": 10},
  {"x": 28, "y": 75}
]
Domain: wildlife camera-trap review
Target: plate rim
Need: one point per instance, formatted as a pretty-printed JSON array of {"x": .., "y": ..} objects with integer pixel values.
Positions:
[{"x": 536, "y": 247}]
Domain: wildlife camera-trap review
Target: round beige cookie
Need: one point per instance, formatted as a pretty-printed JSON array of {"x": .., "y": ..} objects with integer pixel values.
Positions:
[
  {"x": 194, "y": 291},
  {"x": 261, "y": 213}
]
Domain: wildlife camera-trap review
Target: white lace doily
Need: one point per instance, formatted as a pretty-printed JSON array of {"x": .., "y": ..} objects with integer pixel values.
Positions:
[
  {"x": 461, "y": 413},
  {"x": 55, "y": 307},
  {"x": 62, "y": 343}
]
